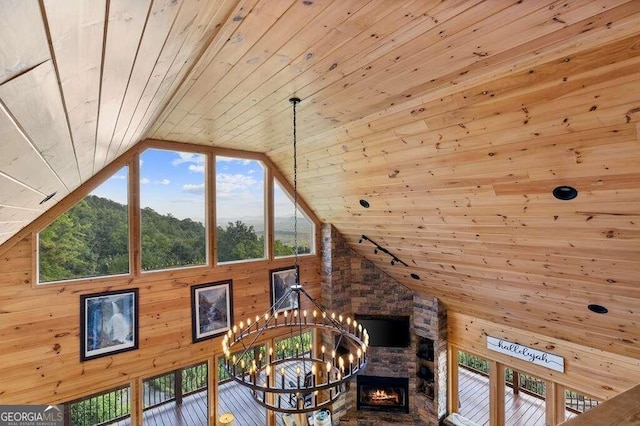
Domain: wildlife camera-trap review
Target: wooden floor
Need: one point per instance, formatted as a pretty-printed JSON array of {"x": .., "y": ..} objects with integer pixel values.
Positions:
[{"x": 521, "y": 409}]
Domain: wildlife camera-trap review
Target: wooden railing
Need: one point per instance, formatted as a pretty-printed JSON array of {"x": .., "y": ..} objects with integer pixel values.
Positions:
[
  {"x": 574, "y": 401},
  {"x": 101, "y": 409},
  {"x": 174, "y": 386}
]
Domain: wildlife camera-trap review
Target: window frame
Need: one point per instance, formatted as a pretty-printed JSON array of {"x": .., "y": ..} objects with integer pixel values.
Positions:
[{"x": 131, "y": 159}]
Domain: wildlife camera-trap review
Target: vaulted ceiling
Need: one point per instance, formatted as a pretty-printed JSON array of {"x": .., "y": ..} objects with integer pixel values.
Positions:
[{"x": 454, "y": 119}]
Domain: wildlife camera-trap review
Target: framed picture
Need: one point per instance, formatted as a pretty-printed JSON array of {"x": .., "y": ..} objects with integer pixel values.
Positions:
[
  {"x": 281, "y": 280},
  {"x": 108, "y": 323},
  {"x": 211, "y": 309}
]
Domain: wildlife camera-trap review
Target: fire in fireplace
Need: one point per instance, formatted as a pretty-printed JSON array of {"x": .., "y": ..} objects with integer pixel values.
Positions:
[{"x": 383, "y": 393}]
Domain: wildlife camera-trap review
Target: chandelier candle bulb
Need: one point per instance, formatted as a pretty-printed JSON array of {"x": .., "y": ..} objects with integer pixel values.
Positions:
[
  {"x": 322, "y": 349},
  {"x": 242, "y": 365},
  {"x": 315, "y": 314},
  {"x": 282, "y": 373},
  {"x": 328, "y": 372},
  {"x": 267, "y": 371},
  {"x": 304, "y": 314},
  {"x": 298, "y": 376},
  {"x": 333, "y": 358},
  {"x": 350, "y": 363},
  {"x": 313, "y": 375}
]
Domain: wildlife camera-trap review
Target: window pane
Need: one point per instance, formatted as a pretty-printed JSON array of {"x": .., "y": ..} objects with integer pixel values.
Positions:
[
  {"x": 91, "y": 239},
  {"x": 173, "y": 214},
  {"x": 283, "y": 228},
  {"x": 240, "y": 209}
]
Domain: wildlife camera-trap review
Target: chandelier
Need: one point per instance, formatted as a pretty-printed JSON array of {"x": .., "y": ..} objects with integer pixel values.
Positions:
[{"x": 309, "y": 379}]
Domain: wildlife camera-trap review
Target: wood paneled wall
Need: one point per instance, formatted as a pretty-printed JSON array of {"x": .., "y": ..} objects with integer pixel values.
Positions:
[
  {"x": 591, "y": 371},
  {"x": 39, "y": 325}
]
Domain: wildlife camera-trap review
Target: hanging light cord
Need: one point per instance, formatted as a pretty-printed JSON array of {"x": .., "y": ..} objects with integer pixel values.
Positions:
[{"x": 295, "y": 102}]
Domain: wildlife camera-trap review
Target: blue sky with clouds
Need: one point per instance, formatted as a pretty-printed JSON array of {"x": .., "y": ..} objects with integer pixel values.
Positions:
[{"x": 174, "y": 182}]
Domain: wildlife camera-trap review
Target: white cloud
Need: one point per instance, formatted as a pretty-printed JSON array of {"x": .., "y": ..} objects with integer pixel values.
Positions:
[
  {"x": 228, "y": 183},
  {"x": 193, "y": 188},
  {"x": 118, "y": 177},
  {"x": 144, "y": 181},
  {"x": 196, "y": 168},
  {"x": 188, "y": 157},
  {"x": 243, "y": 161},
  {"x": 141, "y": 162},
  {"x": 164, "y": 182}
]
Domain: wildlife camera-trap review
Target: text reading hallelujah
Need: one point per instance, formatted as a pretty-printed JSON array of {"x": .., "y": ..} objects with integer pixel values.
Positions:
[{"x": 544, "y": 359}]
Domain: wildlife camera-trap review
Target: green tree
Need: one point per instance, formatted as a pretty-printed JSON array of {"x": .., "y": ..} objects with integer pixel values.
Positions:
[{"x": 239, "y": 242}]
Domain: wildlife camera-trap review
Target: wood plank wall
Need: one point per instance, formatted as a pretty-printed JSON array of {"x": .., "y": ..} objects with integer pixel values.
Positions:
[
  {"x": 39, "y": 326},
  {"x": 594, "y": 372}
]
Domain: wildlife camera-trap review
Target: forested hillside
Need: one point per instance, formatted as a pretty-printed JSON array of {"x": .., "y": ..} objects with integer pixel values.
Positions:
[{"x": 91, "y": 239}]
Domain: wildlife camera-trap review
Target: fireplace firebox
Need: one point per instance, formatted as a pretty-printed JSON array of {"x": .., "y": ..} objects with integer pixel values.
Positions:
[{"x": 383, "y": 393}]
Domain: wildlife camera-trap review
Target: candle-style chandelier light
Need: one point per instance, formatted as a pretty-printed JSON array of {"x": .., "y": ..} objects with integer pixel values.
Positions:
[{"x": 310, "y": 379}]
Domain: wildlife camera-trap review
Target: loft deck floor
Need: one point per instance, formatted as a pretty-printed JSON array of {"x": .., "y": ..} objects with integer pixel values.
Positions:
[{"x": 521, "y": 409}]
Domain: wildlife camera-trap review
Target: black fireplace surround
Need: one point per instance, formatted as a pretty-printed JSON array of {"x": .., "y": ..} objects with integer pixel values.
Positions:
[{"x": 378, "y": 393}]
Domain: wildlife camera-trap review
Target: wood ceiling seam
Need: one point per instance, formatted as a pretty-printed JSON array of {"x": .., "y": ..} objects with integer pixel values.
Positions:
[
  {"x": 164, "y": 124},
  {"x": 125, "y": 23},
  {"x": 132, "y": 72},
  {"x": 181, "y": 62},
  {"x": 14, "y": 99},
  {"x": 62, "y": 95},
  {"x": 262, "y": 18},
  {"x": 151, "y": 54},
  {"x": 255, "y": 62},
  {"x": 71, "y": 29}
]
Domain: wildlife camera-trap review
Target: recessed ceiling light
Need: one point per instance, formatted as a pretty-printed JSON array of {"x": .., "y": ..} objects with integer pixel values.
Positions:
[
  {"x": 364, "y": 203},
  {"x": 598, "y": 309},
  {"x": 564, "y": 192},
  {"x": 415, "y": 276}
]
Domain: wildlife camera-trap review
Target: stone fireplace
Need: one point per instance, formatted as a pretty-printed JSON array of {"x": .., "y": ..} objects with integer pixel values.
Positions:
[{"x": 355, "y": 286}]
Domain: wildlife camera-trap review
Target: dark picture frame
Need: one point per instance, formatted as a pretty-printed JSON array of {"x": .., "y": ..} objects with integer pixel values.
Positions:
[
  {"x": 211, "y": 309},
  {"x": 281, "y": 280},
  {"x": 108, "y": 323}
]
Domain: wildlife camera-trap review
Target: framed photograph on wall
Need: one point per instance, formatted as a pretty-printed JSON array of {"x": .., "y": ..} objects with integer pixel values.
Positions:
[
  {"x": 281, "y": 280},
  {"x": 211, "y": 309},
  {"x": 108, "y": 323}
]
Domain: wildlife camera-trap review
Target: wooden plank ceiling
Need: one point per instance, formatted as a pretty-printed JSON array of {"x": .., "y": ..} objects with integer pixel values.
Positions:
[{"x": 454, "y": 119}]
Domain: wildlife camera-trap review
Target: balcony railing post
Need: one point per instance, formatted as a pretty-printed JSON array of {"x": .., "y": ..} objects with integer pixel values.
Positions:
[
  {"x": 516, "y": 382},
  {"x": 177, "y": 384}
]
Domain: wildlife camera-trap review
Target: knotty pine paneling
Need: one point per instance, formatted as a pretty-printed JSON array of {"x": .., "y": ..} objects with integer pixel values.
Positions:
[
  {"x": 39, "y": 325},
  {"x": 597, "y": 373}
]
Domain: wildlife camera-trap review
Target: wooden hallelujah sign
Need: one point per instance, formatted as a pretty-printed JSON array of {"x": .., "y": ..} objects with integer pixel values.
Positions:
[{"x": 544, "y": 359}]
